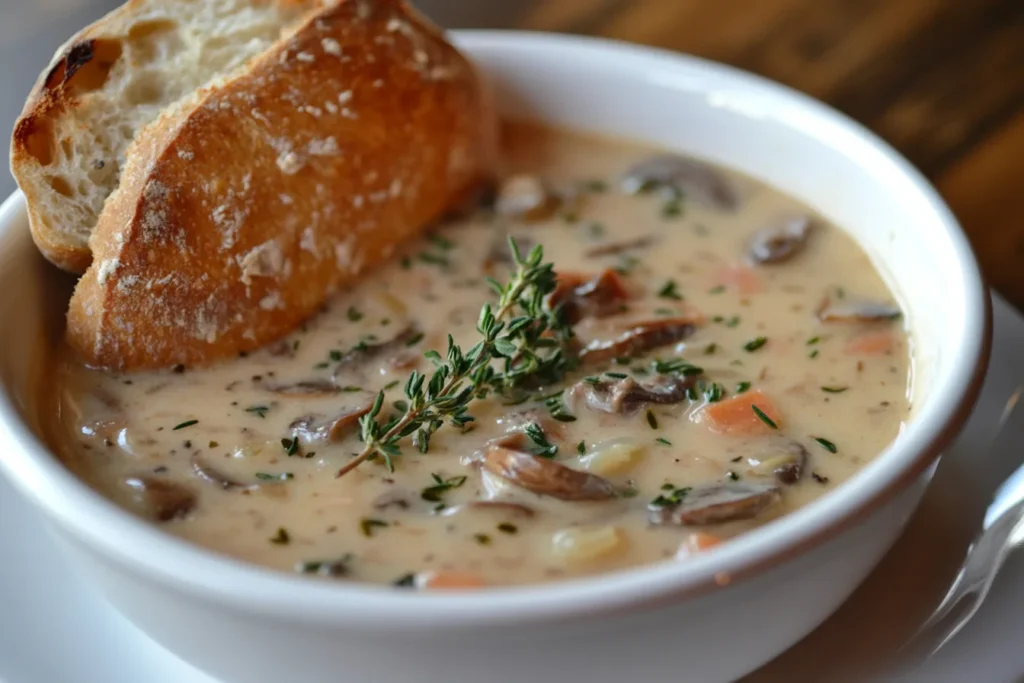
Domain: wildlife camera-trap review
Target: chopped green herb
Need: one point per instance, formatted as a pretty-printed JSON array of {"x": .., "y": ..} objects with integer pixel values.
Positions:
[
  {"x": 283, "y": 476},
  {"x": 351, "y": 389},
  {"x": 441, "y": 243},
  {"x": 732, "y": 476},
  {"x": 433, "y": 493},
  {"x": 813, "y": 340},
  {"x": 186, "y": 423},
  {"x": 482, "y": 539},
  {"x": 433, "y": 259},
  {"x": 663, "y": 441},
  {"x": 826, "y": 444},
  {"x": 536, "y": 434},
  {"x": 674, "y": 498},
  {"x": 406, "y": 263},
  {"x": 353, "y": 314},
  {"x": 282, "y": 536},
  {"x": 405, "y": 581},
  {"x": 258, "y": 410},
  {"x": 710, "y": 349},
  {"x": 213, "y": 444},
  {"x": 717, "y": 290},
  {"x": 290, "y": 446},
  {"x": 415, "y": 339},
  {"x": 755, "y": 344},
  {"x": 670, "y": 290},
  {"x": 813, "y": 354},
  {"x": 834, "y": 390},
  {"x": 401, "y": 405},
  {"x": 335, "y": 355},
  {"x": 742, "y": 386},
  {"x": 570, "y": 217},
  {"x": 651, "y": 419},
  {"x": 668, "y": 486},
  {"x": 672, "y": 208},
  {"x": 714, "y": 393},
  {"x": 616, "y": 375},
  {"x": 321, "y": 366},
  {"x": 337, "y": 567},
  {"x": 595, "y": 185},
  {"x": 368, "y": 524},
  {"x": 507, "y": 528},
  {"x": 840, "y": 293},
  {"x": 733, "y": 321},
  {"x": 596, "y": 229},
  {"x": 675, "y": 366},
  {"x": 627, "y": 264},
  {"x": 391, "y": 385},
  {"x": 764, "y": 418},
  {"x": 581, "y": 447},
  {"x": 664, "y": 311}
]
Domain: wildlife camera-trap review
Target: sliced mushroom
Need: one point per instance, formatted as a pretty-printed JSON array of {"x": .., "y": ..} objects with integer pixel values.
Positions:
[
  {"x": 715, "y": 503},
  {"x": 161, "y": 499},
  {"x": 394, "y": 349},
  {"x": 314, "y": 428},
  {"x": 581, "y": 296},
  {"x": 613, "y": 248},
  {"x": 626, "y": 396},
  {"x": 857, "y": 311},
  {"x": 304, "y": 388},
  {"x": 526, "y": 197},
  {"x": 639, "y": 338},
  {"x": 693, "y": 179},
  {"x": 217, "y": 478},
  {"x": 545, "y": 477},
  {"x": 787, "y": 464},
  {"x": 781, "y": 242},
  {"x": 504, "y": 508}
]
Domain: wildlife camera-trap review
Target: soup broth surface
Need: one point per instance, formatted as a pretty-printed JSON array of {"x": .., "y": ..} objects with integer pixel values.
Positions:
[{"x": 741, "y": 358}]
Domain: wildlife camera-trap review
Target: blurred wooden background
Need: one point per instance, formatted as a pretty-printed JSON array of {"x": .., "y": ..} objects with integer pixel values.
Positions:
[{"x": 942, "y": 80}]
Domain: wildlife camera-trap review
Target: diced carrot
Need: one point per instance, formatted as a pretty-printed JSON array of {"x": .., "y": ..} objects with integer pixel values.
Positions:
[
  {"x": 743, "y": 279},
  {"x": 736, "y": 415},
  {"x": 449, "y": 579},
  {"x": 872, "y": 343},
  {"x": 697, "y": 542}
]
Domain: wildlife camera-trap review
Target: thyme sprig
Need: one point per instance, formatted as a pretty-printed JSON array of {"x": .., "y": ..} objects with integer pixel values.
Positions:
[{"x": 525, "y": 346}]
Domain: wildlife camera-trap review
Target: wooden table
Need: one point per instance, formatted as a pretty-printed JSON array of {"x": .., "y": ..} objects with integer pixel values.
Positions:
[{"x": 942, "y": 80}]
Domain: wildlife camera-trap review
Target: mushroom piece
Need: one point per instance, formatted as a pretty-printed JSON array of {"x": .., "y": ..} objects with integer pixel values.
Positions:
[
  {"x": 780, "y": 242},
  {"x": 163, "y": 500},
  {"x": 691, "y": 178},
  {"x": 393, "y": 348},
  {"x": 641, "y": 337},
  {"x": 304, "y": 388},
  {"x": 581, "y": 296},
  {"x": 626, "y": 396},
  {"x": 714, "y": 504},
  {"x": 545, "y": 477},
  {"x": 526, "y": 197},
  {"x": 857, "y": 311},
  {"x": 313, "y": 428},
  {"x": 505, "y": 508},
  {"x": 787, "y": 465},
  {"x": 613, "y": 248},
  {"x": 217, "y": 478}
]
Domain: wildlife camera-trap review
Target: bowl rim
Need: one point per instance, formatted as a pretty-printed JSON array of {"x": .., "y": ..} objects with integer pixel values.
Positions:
[{"x": 145, "y": 551}]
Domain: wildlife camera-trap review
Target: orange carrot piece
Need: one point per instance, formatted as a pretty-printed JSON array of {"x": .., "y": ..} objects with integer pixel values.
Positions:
[
  {"x": 450, "y": 579},
  {"x": 740, "y": 278},
  {"x": 737, "y": 415},
  {"x": 872, "y": 343},
  {"x": 702, "y": 540}
]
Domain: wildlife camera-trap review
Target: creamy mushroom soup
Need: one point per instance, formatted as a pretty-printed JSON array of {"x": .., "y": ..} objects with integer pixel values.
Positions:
[{"x": 711, "y": 356}]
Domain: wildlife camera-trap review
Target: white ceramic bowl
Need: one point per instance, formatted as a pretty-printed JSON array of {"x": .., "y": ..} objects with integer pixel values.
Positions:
[{"x": 711, "y": 619}]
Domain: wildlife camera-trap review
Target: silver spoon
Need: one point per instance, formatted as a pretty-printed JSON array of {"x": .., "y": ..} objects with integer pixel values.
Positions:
[{"x": 1001, "y": 532}]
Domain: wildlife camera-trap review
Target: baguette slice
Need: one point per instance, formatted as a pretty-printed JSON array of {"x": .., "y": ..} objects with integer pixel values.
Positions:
[
  {"x": 238, "y": 212},
  {"x": 111, "y": 80}
]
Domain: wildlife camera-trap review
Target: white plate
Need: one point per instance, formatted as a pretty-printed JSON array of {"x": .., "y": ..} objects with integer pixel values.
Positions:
[{"x": 55, "y": 629}]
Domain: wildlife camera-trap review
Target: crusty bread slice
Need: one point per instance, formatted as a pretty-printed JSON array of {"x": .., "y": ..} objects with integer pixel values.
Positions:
[
  {"x": 111, "y": 80},
  {"x": 238, "y": 212}
]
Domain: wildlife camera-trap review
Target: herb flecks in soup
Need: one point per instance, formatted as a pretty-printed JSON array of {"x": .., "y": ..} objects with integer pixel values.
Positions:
[{"x": 732, "y": 357}]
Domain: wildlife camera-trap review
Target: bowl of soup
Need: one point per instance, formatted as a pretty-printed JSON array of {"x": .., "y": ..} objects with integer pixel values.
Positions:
[{"x": 776, "y": 327}]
